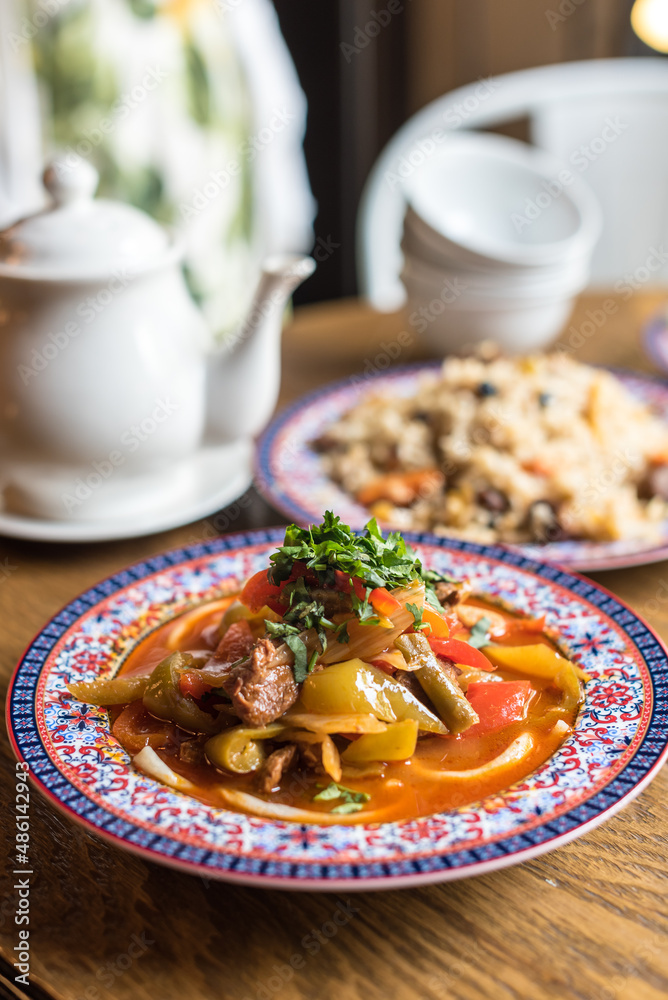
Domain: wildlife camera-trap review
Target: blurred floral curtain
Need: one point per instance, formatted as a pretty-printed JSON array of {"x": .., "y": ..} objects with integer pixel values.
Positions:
[{"x": 190, "y": 109}]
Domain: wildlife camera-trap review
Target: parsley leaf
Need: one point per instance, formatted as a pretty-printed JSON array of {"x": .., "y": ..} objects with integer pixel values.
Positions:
[
  {"x": 418, "y": 624},
  {"x": 342, "y": 633},
  {"x": 480, "y": 633},
  {"x": 300, "y": 666},
  {"x": 331, "y": 792},
  {"x": 348, "y": 807},
  {"x": 352, "y": 801}
]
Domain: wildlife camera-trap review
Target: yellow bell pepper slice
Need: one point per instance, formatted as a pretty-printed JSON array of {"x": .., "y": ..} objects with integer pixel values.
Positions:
[
  {"x": 396, "y": 743},
  {"x": 538, "y": 660},
  {"x": 354, "y": 686}
]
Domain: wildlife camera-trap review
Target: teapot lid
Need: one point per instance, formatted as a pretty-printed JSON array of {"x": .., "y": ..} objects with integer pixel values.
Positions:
[{"x": 79, "y": 236}]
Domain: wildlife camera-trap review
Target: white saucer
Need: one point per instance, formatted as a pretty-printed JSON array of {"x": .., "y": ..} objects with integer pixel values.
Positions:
[{"x": 218, "y": 475}]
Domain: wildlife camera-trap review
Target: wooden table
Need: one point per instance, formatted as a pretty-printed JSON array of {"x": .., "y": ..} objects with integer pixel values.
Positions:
[{"x": 587, "y": 922}]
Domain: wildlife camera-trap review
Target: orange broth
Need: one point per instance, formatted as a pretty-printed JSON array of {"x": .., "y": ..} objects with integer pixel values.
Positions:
[{"x": 401, "y": 792}]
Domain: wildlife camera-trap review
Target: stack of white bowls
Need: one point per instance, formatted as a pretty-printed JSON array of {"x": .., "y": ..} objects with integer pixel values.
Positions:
[{"x": 497, "y": 242}]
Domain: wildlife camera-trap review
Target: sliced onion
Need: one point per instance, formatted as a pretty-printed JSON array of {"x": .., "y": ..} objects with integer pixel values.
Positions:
[
  {"x": 243, "y": 802},
  {"x": 353, "y": 723},
  {"x": 148, "y": 761},
  {"x": 331, "y": 761},
  {"x": 518, "y": 751}
]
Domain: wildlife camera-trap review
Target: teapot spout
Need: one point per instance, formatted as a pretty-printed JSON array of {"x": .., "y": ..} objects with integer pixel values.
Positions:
[{"x": 243, "y": 378}]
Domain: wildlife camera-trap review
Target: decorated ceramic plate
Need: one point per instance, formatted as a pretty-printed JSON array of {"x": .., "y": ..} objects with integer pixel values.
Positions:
[
  {"x": 617, "y": 744},
  {"x": 655, "y": 338},
  {"x": 290, "y": 474}
]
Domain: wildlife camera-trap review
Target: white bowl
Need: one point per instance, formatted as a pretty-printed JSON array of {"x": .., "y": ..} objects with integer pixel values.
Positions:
[
  {"x": 487, "y": 201},
  {"x": 566, "y": 280},
  {"x": 419, "y": 249},
  {"x": 517, "y": 327},
  {"x": 454, "y": 322}
]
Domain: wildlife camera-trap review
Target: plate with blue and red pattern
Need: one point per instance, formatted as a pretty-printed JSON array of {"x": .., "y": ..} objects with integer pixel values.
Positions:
[
  {"x": 290, "y": 473},
  {"x": 618, "y": 743}
]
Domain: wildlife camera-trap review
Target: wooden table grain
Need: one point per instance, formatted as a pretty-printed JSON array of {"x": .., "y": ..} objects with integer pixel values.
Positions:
[{"x": 586, "y": 922}]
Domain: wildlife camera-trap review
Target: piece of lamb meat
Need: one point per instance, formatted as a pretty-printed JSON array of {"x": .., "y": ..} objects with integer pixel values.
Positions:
[
  {"x": 275, "y": 767},
  {"x": 263, "y": 687},
  {"x": 450, "y": 592},
  {"x": 334, "y": 601}
]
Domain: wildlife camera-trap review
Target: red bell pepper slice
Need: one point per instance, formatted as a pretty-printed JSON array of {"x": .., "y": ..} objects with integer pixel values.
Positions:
[
  {"x": 461, "y": 652},
  {"x": 497, "y": 704},
  {"x": 515, "y": 625},
  {"x": 383, "y": 602},
  {"x": 299, "y": 568},
  {"x": 192, "y": 684},
  {"x": 383, "y": 665},
  {"x": 258, "y": 592},
  {"x": 346, "y": 583}
]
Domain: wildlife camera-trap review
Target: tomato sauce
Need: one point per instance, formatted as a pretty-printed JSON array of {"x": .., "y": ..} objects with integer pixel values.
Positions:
[{"x": 398, "y": 790}]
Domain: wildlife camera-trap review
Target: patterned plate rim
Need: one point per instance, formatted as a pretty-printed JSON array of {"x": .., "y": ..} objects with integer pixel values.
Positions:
[
  {"x": 563, "y": 553},
  {"x": 653, "y": 337},
  {"x": 643, "y": 765}
]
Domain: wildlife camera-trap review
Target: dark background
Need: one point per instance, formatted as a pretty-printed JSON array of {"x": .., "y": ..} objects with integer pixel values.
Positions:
[{"x": 358, "y": 100}]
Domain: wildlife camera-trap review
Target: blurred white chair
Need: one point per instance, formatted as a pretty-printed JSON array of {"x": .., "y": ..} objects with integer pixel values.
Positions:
[{"x": 607, "y": 120}]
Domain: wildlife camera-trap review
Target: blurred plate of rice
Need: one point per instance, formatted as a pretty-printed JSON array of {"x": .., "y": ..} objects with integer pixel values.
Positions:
[{"x": 554, "y": 458}]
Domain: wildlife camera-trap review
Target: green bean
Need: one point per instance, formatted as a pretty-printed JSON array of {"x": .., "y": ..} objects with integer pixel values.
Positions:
[
  {"x": 438, "y": 684},
  {"x": 110, "y": 690},
  {"x": 240, "y": 749},
  {"x": 163, "y": 698}
]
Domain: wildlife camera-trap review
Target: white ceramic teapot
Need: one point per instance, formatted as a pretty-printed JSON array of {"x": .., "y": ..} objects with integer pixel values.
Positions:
[{"x": 105, "y": 361}]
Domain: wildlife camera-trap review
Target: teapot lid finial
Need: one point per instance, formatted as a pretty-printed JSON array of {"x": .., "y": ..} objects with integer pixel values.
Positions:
[
  {"x": 71, "y": 178},
  {"x": 79, "y": 236}
]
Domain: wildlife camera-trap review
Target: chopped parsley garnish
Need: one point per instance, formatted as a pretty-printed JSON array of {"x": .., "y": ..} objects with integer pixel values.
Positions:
[
  {"x": 342, "y": 634},
  {"x": 326, "y": 551},
  {"x": 480, "y": 633},
  {"x": 348, "y": 807},
  {"x": 352, "y": 801},
  {"x": 379, "y": 562},
  {"x": 418, "y": 624}
]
